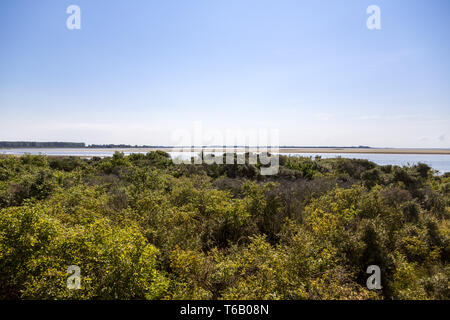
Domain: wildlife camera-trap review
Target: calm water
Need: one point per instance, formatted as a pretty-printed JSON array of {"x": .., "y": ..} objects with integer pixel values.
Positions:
[{"x": 439, "y": 162}]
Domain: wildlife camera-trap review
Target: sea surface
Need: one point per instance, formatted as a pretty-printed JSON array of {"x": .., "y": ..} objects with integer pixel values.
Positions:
[{"x": 440, "y": 162}]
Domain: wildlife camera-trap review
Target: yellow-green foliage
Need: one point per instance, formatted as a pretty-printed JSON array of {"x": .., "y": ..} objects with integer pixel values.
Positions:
[{"x": 140, "y": 227}]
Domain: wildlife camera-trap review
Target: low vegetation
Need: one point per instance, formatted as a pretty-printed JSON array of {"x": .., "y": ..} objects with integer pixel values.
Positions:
[{"x": 141, "y": 227}]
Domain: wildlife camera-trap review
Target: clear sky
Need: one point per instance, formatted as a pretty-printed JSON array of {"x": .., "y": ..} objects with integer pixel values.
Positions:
[{"x": 138, "y": 70}]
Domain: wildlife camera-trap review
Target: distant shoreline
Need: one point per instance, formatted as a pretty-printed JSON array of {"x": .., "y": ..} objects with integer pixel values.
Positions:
[
  {"x": 282, "y": 150},
  {"x": 367, "y": 150}
]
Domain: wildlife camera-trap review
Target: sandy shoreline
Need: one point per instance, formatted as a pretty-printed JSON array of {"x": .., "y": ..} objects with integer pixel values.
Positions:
[{"x": 281, "y": 150}]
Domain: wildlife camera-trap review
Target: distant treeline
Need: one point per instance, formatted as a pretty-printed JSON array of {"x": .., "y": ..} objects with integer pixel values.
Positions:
[
  {"x": 114, "y": 146},
  {"x": 326, "y": 147},
  {"x": 33, "y": 144}
]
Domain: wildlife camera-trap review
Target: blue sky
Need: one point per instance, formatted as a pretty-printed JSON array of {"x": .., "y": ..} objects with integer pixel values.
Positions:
[{"x": 139, "y": 70}]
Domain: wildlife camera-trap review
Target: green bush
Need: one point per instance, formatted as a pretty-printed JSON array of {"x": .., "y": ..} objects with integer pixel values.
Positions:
[{"x": 141, "y": 227}]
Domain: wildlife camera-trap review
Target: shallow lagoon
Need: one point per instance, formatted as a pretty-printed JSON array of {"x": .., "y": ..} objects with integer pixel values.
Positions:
[{"x": 440, "y": 162}]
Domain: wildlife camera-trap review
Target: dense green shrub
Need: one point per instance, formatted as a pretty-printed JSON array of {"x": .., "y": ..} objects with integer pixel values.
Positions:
[{"x": 141, "y": 227}]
